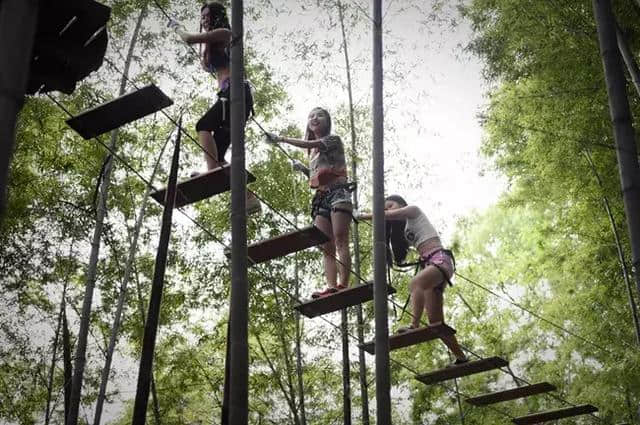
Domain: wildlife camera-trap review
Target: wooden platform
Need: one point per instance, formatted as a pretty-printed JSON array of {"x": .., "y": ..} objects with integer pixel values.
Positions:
[
  {"x": 511, "y": 394},
  {"x": 551, "y": 415},
  {"x": 286, "y": 244},
  {"x": 342, "y": 299},
  {"x": 118, "y": 112},
  {"x": 202, "y": 186},
  {"x": 413, "y": 337},
  {"x": 465, "y": 369}
]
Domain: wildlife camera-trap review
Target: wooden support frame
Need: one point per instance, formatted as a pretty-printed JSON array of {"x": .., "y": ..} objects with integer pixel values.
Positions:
[
  {"x": 412, "y": 337},
  {"x": 465, "y": 369},
  {"x": 120, "y": 111},
  {"x": 551, "y": 415},
  {"x": 285, "y": 244},
  {"x": 342, "y": 299},
  {"x": 511, "y": 394},
  {"x": 202, "y": 186}
]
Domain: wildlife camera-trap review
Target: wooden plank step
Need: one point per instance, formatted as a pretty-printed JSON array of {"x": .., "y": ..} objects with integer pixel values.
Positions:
[
  {"x": 120, "y": 111},
  {"x": 202, "y": 186},
  {"x": 285, "y": 244},
  {"x": 342, "y": 299},
  {"x": 511, "y": 394},
  {"x": 412, "y": 337},
  {"x": 464, "y": 369},
  {"x": 551, "y": 415}
]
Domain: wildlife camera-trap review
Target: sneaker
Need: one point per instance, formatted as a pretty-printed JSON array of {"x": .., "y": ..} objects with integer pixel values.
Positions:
[
  {"x": 459, "y": 362},
  {"x": 318, "y": 294},
  {"x": 406, "y": 329},
  {"x": 341, "y": 287}
]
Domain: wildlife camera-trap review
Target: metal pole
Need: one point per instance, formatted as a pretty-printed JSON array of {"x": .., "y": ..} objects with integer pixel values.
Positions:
[
  {"x": 346, "y": 369},
  {"x": 153, "y": 314},
  {"x": 383, "y": 385},
  {"x": 239, "y": 308},
  {"x": 18, "y": 20},
  {"x": 624, "y": 135}
]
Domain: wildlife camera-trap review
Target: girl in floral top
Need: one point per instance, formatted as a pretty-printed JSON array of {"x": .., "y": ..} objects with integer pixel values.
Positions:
[{"x": 331, "y": 206}]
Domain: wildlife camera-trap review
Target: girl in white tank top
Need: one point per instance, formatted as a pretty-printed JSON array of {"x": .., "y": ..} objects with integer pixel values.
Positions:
[{"x": 408, "y": 225}]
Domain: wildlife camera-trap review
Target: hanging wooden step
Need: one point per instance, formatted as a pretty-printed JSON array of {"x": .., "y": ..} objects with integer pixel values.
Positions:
[
  {"x": 551, "y": 415},
  {"x": 342, "y": 299},
  {"x": 465, "y": 369},
  {"x": 285, "y": 244},
  {"x": 511, "y": 394},
  {"x": 202, "y": 186},
  {"x": 412, "y": 337},
  {"x": 118, "y": 112}
]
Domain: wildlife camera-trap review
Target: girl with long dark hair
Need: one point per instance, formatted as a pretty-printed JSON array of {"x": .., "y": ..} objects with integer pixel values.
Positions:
[
  {"x": 213, "y": 129},
  {"x": 408, "y": 225},
  {"x": 331, "y": 206}
]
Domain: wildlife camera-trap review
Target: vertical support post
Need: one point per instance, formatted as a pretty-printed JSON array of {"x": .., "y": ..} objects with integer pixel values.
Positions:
[
  {"x": 153, "y": 314},
  {"x": 383, "y": 378},
  {"x": 346, "y": 369},
  {"x": 18, "y": 20},
  {"x": 624, "y": 135},
  {"x": 239, "y": 308}
]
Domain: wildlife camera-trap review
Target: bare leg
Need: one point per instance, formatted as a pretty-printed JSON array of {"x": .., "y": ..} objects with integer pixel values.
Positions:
[
  {"x": 427, "y": 297},
  {"x": 341, "y": 222},
  {"x": 210, "y": 149},
  {"x": 435, "y": 314},
  {"x": 328, "y": 251}
]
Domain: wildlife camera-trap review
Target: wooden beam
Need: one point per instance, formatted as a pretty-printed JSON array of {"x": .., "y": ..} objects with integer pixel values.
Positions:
[
  {"x": 511, "y": 394},
  {"x": 465, "y": 369},
  {"x": 551, "y": 415},
  {"x": 286, "y": 244},
  {"x": 412, "y": 337},
  {"x": 120, "y": 111},
  {"x": 342, "y": 299},
  {"x": 202, "y": 186}
]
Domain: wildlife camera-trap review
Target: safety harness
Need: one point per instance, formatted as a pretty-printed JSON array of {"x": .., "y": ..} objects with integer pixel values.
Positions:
[{"x": 403, "y": 267}]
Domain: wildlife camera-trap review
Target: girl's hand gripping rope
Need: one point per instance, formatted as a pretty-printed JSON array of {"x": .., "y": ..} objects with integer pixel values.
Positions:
[
  {"x": 272, "y": 138},
  {"x": 299, "y": 166}
]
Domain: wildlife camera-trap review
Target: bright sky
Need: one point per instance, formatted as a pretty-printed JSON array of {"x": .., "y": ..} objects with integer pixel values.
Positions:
[{"x": 433, "y": 92}]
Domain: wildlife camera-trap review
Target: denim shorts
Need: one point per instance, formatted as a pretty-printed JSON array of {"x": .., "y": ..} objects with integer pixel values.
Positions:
[{"x": 325, "y": 202}]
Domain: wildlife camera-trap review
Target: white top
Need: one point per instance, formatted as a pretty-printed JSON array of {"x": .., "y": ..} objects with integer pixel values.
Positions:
[{"x": 419, "y": 229}]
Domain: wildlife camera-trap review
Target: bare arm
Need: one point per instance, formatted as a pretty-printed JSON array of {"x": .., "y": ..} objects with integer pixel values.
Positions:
[
  {"x": 216, "y": 36},
  {"x": 305, "y": 144},
  {"x": 403, "y": 213}
]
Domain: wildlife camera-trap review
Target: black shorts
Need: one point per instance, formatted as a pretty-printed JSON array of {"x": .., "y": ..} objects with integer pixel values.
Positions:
[
  {"x": 324, "y": 202},
  {"x": 218, "y": 118}
]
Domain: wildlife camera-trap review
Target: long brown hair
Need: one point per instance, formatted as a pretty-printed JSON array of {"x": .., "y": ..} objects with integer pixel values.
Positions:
[{"x": 308, "y": 134}]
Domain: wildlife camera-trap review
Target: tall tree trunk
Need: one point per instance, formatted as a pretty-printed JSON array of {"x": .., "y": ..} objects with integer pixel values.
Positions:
[
  {"x": 66, "y": 355},
  {"x": 623, "y": 130},
  {"x": 299, "y": 371},
  {"x": 616, "y": 238},
  {"x": 274, "y": 371},
  {"x": 285, "y": 354},
  {"x": 54, "y": 355},
  {"x": 18, "y": 19},
  {"x": 81, "y": 347},
  {"x": 154, "y": 394},
  {"x": 115, "y": 328},
  {"x": 629, "y": 60},
  {"x": 155, "y": 299},
  {"x": 364, "y": 396}
]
